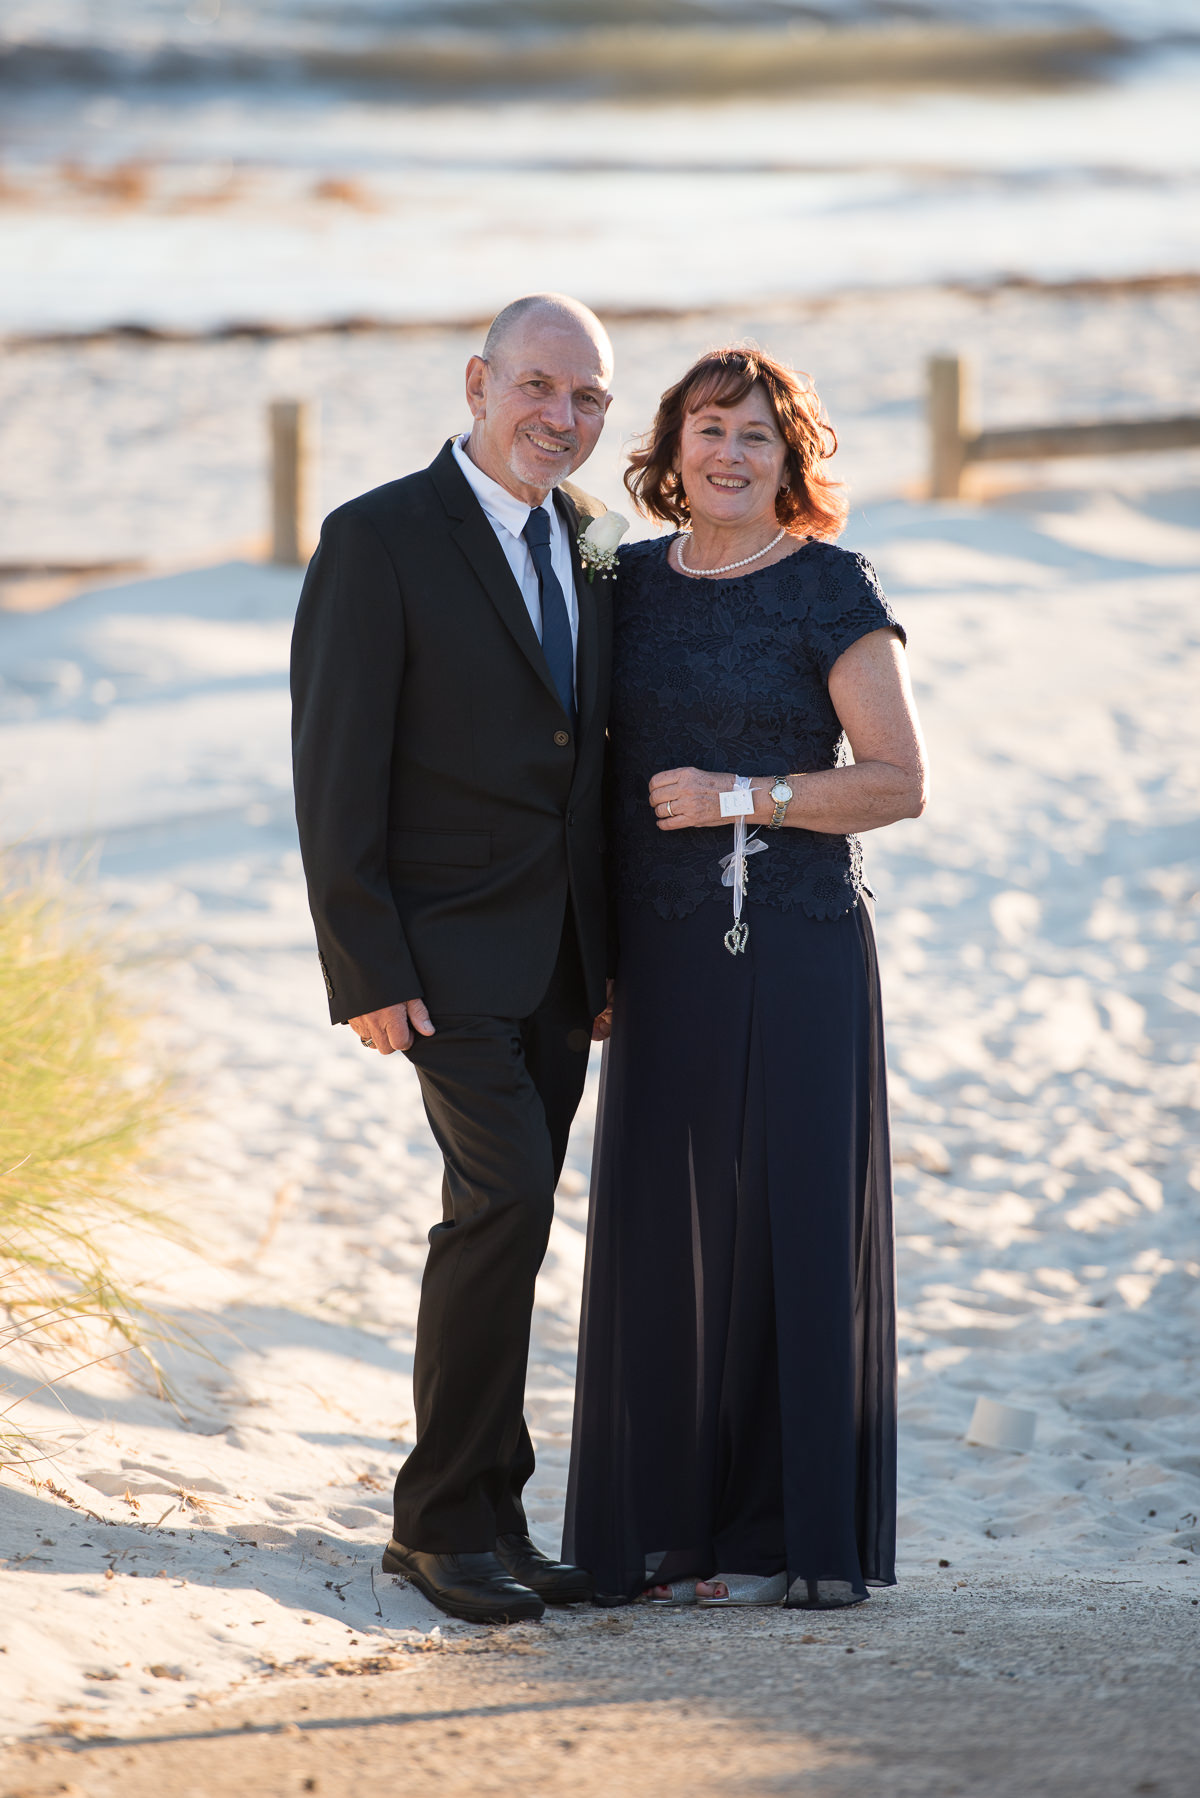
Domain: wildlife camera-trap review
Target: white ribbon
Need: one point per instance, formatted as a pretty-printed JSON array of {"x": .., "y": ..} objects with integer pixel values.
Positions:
[{"x": 734, "y": 871}]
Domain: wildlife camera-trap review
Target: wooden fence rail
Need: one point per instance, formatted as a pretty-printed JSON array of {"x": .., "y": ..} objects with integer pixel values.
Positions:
[{"x": 954, "y": 443}]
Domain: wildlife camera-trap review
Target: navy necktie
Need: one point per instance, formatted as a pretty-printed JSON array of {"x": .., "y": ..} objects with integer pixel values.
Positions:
[{"x": 556, "y": 620}]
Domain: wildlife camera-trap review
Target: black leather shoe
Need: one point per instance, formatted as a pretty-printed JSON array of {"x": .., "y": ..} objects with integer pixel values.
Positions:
[
  {"x": 554, "y": 1581},
  {"x": 474, "y": 1587}
]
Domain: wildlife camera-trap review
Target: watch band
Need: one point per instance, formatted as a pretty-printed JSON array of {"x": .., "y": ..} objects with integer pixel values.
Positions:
[{"x": 781, "y": 793}]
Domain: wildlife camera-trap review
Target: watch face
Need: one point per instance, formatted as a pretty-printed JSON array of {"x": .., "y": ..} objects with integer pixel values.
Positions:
[{"x": 781, "y": 792}]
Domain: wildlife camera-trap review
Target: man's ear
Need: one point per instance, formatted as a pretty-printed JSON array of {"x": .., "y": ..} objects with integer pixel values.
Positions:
[{"x": 477, "y": 374}]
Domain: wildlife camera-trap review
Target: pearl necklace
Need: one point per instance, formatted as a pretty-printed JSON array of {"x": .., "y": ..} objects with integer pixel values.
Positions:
[{"x": 728, "y": 567}]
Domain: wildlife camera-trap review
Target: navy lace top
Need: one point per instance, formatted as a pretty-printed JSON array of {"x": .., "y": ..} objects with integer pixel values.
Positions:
[{"x": 732, "y": 676}]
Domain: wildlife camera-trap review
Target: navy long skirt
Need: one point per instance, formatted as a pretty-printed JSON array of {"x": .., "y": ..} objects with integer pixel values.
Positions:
[{"x": 736, "y": 1395}]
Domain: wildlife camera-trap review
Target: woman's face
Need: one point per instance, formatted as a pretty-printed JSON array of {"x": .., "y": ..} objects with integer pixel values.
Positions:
[{"x": 731, "y": 461}]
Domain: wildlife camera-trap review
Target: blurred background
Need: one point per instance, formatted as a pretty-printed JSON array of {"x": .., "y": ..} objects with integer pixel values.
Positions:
[
  {"x": 211, "y": 206},
  {"x": 223, "y": 174},
  {"x": 298, "y": 161}
]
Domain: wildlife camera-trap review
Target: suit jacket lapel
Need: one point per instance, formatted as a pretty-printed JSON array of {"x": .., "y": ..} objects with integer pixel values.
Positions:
[{"x": 478, "y": 543}]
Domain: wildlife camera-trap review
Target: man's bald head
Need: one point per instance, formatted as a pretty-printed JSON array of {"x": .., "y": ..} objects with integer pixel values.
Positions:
[
  {"x": 539, "y": 393},
  {"x": 551, "y": 312}
]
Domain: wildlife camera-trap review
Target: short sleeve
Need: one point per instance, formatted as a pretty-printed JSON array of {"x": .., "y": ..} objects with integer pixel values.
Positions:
[{"x": 850, "y": 604}]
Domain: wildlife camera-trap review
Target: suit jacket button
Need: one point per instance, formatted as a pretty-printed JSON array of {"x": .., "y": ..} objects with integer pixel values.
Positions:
[{"x": 562, "y": 738}]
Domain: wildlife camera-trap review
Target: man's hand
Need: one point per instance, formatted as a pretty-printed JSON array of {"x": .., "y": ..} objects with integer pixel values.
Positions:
[
  {"x": 394, "y": 1027},
  {"x": 602, "y": 1026}
]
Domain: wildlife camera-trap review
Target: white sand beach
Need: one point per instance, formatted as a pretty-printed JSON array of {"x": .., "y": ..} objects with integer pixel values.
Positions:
[{"x": 1040, "y": 939}]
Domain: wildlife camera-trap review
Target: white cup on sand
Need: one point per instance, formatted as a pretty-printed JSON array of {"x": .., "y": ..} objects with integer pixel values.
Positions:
[{"x": 995, "y": 1425}]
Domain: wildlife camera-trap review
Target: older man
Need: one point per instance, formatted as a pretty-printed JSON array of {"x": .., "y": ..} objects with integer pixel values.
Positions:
[{"x": 450, "y": 685}]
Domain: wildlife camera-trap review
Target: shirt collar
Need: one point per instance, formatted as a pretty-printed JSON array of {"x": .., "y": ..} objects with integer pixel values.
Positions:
[{"x": 503, "y": 507}]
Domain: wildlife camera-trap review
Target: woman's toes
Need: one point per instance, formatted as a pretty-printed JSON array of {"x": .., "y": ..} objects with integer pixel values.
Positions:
[{"x": 708, "y": 1588}]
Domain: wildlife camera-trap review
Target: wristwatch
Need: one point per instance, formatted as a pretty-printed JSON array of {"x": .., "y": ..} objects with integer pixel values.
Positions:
[{"x": 782, "y": 794}]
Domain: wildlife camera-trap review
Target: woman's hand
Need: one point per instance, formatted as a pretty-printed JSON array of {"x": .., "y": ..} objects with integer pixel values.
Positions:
[
  {"x": 684, "y": 798},
  {"x": 602, "y": 1023}
]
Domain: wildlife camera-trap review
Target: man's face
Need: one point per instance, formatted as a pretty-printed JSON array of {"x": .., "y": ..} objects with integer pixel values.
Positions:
[{"x": 539, "y": 406}]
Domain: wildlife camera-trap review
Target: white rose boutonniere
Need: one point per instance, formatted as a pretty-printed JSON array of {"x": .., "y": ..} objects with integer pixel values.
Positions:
[{"x": 598, "y": 544}]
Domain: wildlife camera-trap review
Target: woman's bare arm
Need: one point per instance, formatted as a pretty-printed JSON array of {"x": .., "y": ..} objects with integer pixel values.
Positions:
[{"x": 872, "y": 695}]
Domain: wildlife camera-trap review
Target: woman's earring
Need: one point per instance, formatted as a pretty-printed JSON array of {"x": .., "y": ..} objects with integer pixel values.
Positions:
[{"x": 786, "y": 488}]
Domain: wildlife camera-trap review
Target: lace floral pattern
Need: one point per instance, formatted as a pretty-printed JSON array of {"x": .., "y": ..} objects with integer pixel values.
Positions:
[{"x": 732, "y": 676}]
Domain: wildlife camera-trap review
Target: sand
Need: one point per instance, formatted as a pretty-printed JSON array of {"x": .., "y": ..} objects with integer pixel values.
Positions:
[
  {"x": 1040, "y": 940},
  {"x": 115, "y": 449},
  {"x": 985, "y": 1686}
]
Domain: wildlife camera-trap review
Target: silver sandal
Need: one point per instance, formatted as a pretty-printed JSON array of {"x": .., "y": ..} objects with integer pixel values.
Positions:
[
  {"x": 683, "y": 1591},
  {"x": 746, "y": 1589}
]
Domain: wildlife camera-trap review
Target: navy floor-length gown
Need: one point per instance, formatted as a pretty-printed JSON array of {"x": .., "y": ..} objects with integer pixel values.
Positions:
[{"x": 736, "y": 1393}]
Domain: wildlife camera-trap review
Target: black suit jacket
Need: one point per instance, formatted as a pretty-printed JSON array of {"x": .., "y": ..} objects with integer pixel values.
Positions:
[{"x": 446, "y": 809}]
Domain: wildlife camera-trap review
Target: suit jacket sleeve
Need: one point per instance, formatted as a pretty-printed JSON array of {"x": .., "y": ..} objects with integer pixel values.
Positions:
[{"x": 347, "y": 669}]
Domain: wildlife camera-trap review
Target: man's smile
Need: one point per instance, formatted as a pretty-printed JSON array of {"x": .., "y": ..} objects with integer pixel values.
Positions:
[{"x": 550, "y": 446}]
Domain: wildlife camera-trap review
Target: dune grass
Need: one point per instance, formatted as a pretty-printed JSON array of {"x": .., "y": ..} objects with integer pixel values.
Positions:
[{"x": 77, "y": 1117}]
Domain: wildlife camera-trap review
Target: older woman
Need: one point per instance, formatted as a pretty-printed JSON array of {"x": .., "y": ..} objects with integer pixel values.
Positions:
[{"x": 735, "y": 1415}]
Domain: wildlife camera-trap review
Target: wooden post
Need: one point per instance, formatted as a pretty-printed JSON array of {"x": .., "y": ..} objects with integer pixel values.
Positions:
[
  {"x": 292, "y": 435},
  {"x": 948, "y": 427}
]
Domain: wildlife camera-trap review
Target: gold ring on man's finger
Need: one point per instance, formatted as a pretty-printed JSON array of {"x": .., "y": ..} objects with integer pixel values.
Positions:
[{"x": 670, "y": 813}]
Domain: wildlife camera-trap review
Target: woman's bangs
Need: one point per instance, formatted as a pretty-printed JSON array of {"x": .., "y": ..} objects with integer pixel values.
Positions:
[{"x": 721, "y": 384}]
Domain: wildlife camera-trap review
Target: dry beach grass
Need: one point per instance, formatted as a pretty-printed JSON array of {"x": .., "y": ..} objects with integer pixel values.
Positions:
[{"x": 77, "y": 1117}]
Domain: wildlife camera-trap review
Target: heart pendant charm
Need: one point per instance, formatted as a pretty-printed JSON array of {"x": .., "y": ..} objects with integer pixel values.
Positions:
[{"x": 736, "y": 938}]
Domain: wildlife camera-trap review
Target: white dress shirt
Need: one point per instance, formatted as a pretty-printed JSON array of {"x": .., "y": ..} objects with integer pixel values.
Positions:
[{"x": 508, "y": 516}]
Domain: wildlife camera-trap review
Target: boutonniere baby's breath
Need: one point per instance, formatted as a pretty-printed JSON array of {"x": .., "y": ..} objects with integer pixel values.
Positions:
[{"x": 598, "y": 545}]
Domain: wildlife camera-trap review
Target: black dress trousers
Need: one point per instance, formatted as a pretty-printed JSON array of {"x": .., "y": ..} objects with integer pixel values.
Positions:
[{"x": 500, "y": 1094}]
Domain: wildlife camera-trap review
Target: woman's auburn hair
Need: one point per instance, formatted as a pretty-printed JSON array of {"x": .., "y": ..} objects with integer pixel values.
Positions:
[{"x": 808, "y": 502}]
